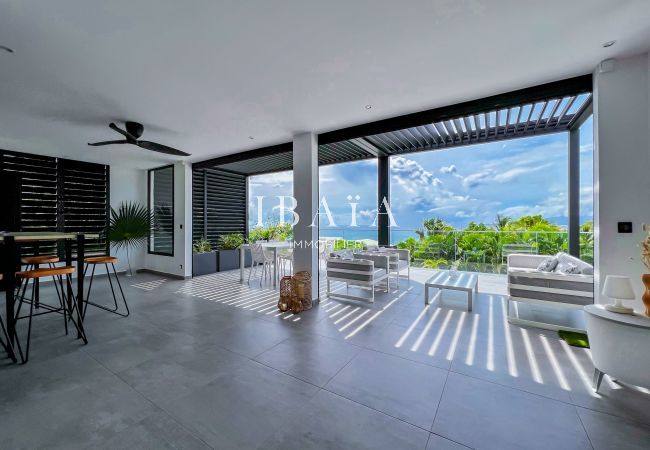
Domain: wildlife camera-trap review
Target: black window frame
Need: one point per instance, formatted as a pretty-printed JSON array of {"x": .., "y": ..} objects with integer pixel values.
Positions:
[{"x": 149, "y": 208}]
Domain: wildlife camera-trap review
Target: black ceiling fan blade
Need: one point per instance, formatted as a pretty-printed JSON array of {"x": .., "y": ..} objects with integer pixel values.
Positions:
[
  {"x": 95, "y": 144},
  {"x": 161, "y": 148},
  {"x": 126, "y": 134}
]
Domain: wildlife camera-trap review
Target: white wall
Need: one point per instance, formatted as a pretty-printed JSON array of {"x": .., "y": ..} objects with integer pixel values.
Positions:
[
  {"x": 179, "y": 264},
  {"x": 621, "y": 168},
  {"x": 128, "y": 185}
]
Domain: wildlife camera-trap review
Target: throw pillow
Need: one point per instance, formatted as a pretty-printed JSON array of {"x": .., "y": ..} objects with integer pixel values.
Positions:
[
  {"x": 548, "y": 264},
  {"x": 567, "y": 268}
]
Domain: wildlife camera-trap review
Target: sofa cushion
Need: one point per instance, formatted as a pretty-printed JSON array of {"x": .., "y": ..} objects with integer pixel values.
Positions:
[
  {"x": 584, "y": 267},
  {"x": 567, "y": 268},
  {"x": 548, "y": 264},
  {"x": 534, "y": 273}
]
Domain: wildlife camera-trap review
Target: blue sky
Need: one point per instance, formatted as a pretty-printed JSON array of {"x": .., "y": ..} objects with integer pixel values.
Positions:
[{"x": 473, "y": 183}]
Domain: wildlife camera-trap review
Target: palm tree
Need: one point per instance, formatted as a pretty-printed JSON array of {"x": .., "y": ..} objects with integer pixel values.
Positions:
[{"x": 501, "y": 222}]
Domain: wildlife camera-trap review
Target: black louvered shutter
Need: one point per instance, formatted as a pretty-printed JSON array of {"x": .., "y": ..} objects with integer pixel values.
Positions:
[
  {"x": 38, "y": 194},
  {"x": 198, "y": 205},
  {"x": 218, "y": 204},
  {"x": 59, "y": 195},
  {"x": 85, "y": 200}
]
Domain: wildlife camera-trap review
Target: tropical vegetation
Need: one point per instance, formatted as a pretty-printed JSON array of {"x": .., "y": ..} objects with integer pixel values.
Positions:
[
  {"x": 202, "y": 246},
  {"x": 272, "y": 232},
  {"x": 231, "y": 241},
  {"x": 484, "y": 247}
]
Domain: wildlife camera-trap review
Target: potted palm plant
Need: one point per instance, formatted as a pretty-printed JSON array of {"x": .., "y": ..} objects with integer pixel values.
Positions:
[
  {"x": 204, "y": 259},
  {"x": 129, "y": 228},
  {"x": 229, "y": 251}
]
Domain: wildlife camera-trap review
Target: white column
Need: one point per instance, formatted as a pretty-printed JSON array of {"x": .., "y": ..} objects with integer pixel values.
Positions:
[
  {"x": 305, "y": 191},
  {"x": 621, "y": 169}
]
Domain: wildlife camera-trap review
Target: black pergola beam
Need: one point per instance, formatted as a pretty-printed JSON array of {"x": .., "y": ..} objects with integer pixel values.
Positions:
[
  {"x": 243, "y": 156},
  {"x": 571, "y": 86}
]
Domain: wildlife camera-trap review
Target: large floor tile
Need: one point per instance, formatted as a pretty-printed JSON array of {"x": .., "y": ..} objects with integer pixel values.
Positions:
[
  {"x": 164, "y": 379},
  {"x": 484, "y": 415},
  {"x": 251, "y": 337},
  {"x": 241, "y": 408},
  {"x": 609, "y": 432},
  {"x": 401, "y": 388},
  {"x": 133, "y": 349},
  {"x": 313, "y": 358},
  {"x": 330, "y": 422},
  {"x": 158, "y": 431},
  {"x": 439, "y": 443},
  {"x": 73, "y": 416}
]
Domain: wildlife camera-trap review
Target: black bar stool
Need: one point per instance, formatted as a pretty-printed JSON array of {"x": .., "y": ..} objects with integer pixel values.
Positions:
[
  {"x": 105, "y": 260},
  {"x": 67, "y": 303},
  {"x": 33, "y": 262}
]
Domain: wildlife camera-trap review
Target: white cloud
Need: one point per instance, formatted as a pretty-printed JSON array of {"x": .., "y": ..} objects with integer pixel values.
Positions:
[
  {"x": 368, "y": 213},
  {"x": 411, "y": 175},
  {"x": 487, "y": 175},
  {"x": 464, "y": 214},
  {"x": 554, "y": 206},
  {"x": 477, "y": 178},
  {"x": 449, "y": 169}
]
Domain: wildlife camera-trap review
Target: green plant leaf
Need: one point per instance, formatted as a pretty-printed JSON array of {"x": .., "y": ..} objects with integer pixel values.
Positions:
[{"x": 130, "y": 225}]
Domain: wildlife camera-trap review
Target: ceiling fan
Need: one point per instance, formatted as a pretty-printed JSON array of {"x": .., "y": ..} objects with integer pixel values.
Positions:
[{"x": 132, "y": 133}]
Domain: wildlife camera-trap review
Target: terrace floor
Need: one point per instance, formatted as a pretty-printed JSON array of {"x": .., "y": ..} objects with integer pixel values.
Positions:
[{"x": 210, "y": 363}]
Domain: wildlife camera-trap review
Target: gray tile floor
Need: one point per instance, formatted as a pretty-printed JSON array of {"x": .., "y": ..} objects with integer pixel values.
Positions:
[{"x": 211, "y": 363}]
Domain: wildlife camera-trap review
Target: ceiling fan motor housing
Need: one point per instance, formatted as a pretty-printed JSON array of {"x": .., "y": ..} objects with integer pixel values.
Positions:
[{"x": 135, "y": 129}]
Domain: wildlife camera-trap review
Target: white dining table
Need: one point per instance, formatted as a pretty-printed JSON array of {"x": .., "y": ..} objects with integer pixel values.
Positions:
[{"x": 271, "y": 246}]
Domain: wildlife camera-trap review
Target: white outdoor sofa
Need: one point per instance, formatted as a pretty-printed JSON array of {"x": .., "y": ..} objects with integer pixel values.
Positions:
[
  {"x": 398, "y": 264},
  {"x": 526, "y": 284},
  {"x": 366, "y": 272}
]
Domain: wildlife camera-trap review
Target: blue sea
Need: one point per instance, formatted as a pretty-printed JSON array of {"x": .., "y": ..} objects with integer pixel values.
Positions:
[{"x": 354, "y": 233}]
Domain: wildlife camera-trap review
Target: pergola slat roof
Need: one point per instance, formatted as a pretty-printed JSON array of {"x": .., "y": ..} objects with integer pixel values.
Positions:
[{"x": 550, "y": 108}]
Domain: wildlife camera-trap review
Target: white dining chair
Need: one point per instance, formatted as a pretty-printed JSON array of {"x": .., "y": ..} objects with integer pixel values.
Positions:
[
  {"x": 260, "y": 257},
  {"x": 285, "y": 258}
]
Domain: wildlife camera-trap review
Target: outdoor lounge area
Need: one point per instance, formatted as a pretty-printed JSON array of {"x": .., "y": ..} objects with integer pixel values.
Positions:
[{"x": 325, "y": 225}]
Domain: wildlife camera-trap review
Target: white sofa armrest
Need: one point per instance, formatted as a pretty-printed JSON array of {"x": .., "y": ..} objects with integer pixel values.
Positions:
[
  {"x": 404, "y": 253},
  {"x": 525, "y": 261}
]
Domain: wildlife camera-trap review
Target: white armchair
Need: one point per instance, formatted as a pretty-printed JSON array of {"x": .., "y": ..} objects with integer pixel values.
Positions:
[{"x": 365, "y": 273}]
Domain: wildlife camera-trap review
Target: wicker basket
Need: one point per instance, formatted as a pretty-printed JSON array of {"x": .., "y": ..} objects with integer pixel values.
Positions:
[
  {"x": 302, "y": 291},
  {"x": 286, "y": 294}
]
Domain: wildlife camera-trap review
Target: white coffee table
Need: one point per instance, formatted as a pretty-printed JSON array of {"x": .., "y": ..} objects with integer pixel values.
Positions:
[{"x": 461, "y": 281}]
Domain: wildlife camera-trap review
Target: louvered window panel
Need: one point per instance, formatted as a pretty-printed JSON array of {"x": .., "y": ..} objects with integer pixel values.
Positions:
[
  {"x": 38, "y": 194},
  {"x": 60, "y": 195},
  {"x": 198, "y": 203},
  {"x": 85, "y": 198},
  {"x": 218, "y": 204},
  {"x": 161, "y": 203}
]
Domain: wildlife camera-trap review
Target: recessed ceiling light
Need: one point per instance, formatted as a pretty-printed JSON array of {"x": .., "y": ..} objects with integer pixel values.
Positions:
[
  {"x": 368, "y": 106},
  {"x": 609, "y": 44},
  {"x": 251, "y": 137},
  {"x": 6, "y": 49}
]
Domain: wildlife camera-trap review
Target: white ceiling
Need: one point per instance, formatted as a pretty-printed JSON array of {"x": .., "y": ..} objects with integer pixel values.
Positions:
[{"x": 204, "y": 75}]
